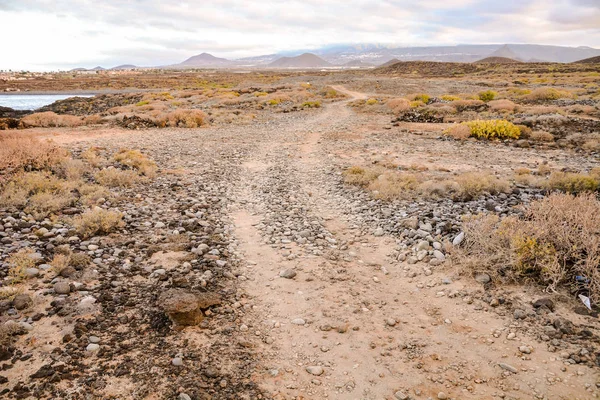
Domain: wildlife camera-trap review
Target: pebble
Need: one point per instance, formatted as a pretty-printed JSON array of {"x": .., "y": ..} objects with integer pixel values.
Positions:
[
  {"x": 62, "y": 288},
  {"x": 94, "y": 339},
  {"x": 298, "y": 321},
  {"x": 287, "y": 274},
  {"x": 442, "y": 396},
  {"x": 92, "y": 347},
  {"x": 315, "y": 370},
  {"x": 508, "y": 367},
  {"x": 184, "y": 396},
  {"x": 483, "y": 278},
  {"x": 401, "y": 396},
  {"x": 177, "y": 361}
]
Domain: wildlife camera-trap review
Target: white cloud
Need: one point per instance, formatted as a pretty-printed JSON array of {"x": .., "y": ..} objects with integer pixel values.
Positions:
[{"x": 39, "y": 34}]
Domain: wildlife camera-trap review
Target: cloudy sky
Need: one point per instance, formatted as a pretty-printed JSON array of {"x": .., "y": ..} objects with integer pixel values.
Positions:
[{"x": 53, "y": 34}]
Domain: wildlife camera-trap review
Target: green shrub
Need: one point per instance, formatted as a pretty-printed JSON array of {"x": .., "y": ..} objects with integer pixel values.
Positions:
[
  {"x": 311, "y": 104},
  {"x": 573, "y": 183},
  {"x": 371, "y": 102},
  {"x": 419, "y": 97},
  {"x": 493, "y": 129},
  {"x": 142, "y": 103},
  {"x": 488, "y": 95},
  {"x": 449, "y": 97}
]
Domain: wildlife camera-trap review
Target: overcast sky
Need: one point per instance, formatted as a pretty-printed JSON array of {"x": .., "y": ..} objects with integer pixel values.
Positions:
[{"x": 52, "y": 34}]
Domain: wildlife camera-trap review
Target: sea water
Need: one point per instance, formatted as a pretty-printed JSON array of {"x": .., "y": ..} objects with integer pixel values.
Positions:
[{"x": 32, "y": 101}]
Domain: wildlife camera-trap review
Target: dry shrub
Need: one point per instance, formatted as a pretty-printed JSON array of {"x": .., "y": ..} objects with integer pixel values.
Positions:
[
  {"x": 502, "y": 106},
  {"x": 398, "y": 105},
  {"x": 546, "y": 93},
  {"x": 591, "y": 145},
  {"x": 93, "y": 120},
  {"x": 558, "y": 240},
  {"x": 50, "y": 119},
  {"x": 183, "y": 118},
  {"x": 92, "y": 156},
  {"x": 91, "y": 194},
  {"x": 573, "y": 182},
  {"x": 392, "y": 185},
  {"x": 473, "y": 184},
  {"x": 541, "y": 136},
  {"x": 361, "y": 176},
  {"x": 136, "y": 160},
  {"x": 18, "y": 151},
  {"x": 466, "y": 105},
  {"x": 18, "y": 263},
  {"x": 541, "y": 110},
  {"x": 71, "y": 169},
  {"x": 114, "y": 177},
  {"x": 59, "y": 263},
  {"x": 419, "y": 97},
  {"x": 97, "y": 221},
  {"x": 39, "y": 193},
  {"x": 458, "y": 131},
  {"x": 522, "y": 171}
]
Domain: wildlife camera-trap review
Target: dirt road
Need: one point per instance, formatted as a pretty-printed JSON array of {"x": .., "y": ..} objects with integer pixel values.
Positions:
[{"x": 322, "y": 298}]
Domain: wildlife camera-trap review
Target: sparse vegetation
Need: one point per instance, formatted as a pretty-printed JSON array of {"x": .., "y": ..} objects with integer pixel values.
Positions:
[
  {"x": 485, "y": 129},
  {"x": 97, "y": 221},
  {"x": 487, "y": 95}
]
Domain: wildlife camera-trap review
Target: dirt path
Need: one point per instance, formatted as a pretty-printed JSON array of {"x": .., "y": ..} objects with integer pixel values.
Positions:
[
  {"x": 324, "y": 304},
  {"x": 355, "y": 317}
]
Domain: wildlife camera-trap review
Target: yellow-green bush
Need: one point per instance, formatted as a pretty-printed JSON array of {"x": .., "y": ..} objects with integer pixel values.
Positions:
[
  {"x": 487, "y": 95},
  {"x": 449, "y": 97},
  {"x": 371, "y": 102},
  {"x": 493, "y": 129},
  {"x": 573, "y": 183},
  {"x": 419, "y": 97},
  {"x": 361, "y": 176},
  {"x": 311, "y": 104},
  {"x": 136, "y": 160}
]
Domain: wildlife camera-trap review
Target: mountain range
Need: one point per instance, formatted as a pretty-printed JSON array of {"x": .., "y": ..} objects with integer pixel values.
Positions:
[{"x": 368, "y": 55}]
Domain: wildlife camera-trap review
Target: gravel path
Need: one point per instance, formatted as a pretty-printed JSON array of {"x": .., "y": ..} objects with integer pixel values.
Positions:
[{"x": 317, "y": 300}]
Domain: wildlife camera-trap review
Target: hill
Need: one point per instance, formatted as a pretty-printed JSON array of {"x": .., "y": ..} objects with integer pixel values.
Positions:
[
  {"x": 504, "y": 52},
  {"x": 205, "y": 60},
  {"x": 391, "y": 62},
  {"x": 428, "y": 68},
  {"x": 306, "y": 60},
  {"x": 498, "y": 60},
  {"x": 357, "y": 64},
  {"x": 591, "y": 60},
  {"x": 123, "y": 67}
]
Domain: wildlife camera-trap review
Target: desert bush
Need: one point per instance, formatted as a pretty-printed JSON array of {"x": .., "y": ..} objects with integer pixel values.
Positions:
[
  {"x": 391, "y": 185},
  {"x": 311, "y": 104},
  {"x": 493, "y": 129},
  {"x": 556, "y": 241},
  {"x": 398, "y": 105},
  {"x": 473, "y": 184},
  {"x": 416, "y": 104},
  {"x": 591, "y": 145},
  {"x": 419, "y": 97},
  {"x": 59, "y": 263},
  {"x": 541, "y": 136},
  {"x": 40, "y": 193},
  {"x": 136, "y": 160},
  {"x": 525, "y": 131},
  {"x": 458, "y": 131},
  {"x": 503, "y": 105},
  {"x": 50, "y": 119},
  {"x": 18, "y": 263},
  {"x": 546, "y": 93},
  {"x": 71, "y": 169},
  {"x": 361, "y": 176},
  {"x": 97, "y": 221},
  {"x": 184, "y": 118},
  {"x": 465, "y": 105},
  {"x": 371, "y": 102},
  {"x": 487, "y": 95},
  {"x": 142, "y": 103},
  {"x": 18, "y": 152},
  {"x": 449, "y": 97},
  {"x": 114, "y": 177},
  {"x": 90, "y": 194},
  {"x": 92, "y": 156},
  {"x": 330, "y": 93},
  {"x": 573, "y": 183}
]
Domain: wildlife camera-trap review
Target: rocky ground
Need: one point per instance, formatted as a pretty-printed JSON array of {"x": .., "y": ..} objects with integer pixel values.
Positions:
[{"x": 309, "y": 288}]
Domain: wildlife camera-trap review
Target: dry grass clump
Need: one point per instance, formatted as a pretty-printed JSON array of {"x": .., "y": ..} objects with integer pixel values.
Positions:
[
  {"x": 573, "y": 183},
  {"x": 558, "y": 240},
  {"x": 311, "y": 104},
  {"x": 390, "y": 184},
  {"x": 136, "y": 160},
  {"x": 541, "y": 136},
  {"x": 473, "y": 184},
  {"x": 450, "y": 97},
  {"x": 541, "y": 110},
  {"x": 502, "y": 105},
  {"x": 398, "y": 105},
  {"x": 459, "y": 131},
  {"x": 467, "y": 105},
  {"x": 39, "y": 193},
  {"x": 18, "y": 263},
  {"x": 419, "y": 97},
  {"x": 547, "y": 93},
  {"x": 18, "y": 151},
  {"x": 92, "y": 156},
  {"x": 50, "y": 119},
  {"x": 97, "y": 221},
  {"x": 114, "y": 177},
  {"x": 186, "y": 118}
]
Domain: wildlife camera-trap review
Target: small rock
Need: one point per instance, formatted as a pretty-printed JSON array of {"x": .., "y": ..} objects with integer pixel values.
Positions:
[
  {"x": 288, "y": 273},
  {"x": 92, "y": 347},
  {"x": 22, "y": 301},
  {"x": 458, "y": 239},
  {"x": 400, "y": 396},
  {"x": 177, "y": 361},
  {"x": 62, "y": 288},
  {"x": 483, "y": 278},
  {"x": 544, "y": 302},
  {"x": 94, "y": 339},
  {"x": 315, "y": 370},
  {"x": 508, "y": 367},
  {"x": 525, "y": 349},
  {"x": 298, "y": 321},
  {"x": 442, "y": 396},
  {"x": 390, "y": 322},
  {"x": 519, "y": 314},
  {"x": 184, "y": 396},
  {"x": 378, "y": 232}
]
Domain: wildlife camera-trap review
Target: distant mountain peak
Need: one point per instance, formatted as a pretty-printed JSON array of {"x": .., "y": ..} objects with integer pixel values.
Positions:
[
  {"x": 205, "y": 59},
  {"x": 305, "y": 60}
]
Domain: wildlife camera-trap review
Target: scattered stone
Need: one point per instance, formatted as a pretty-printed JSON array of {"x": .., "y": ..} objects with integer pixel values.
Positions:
[
  {"x": 401, "y": 396},
  {"x": 22, "y": 301},
  {"x": 62, "y": 288},
  {"x": 508, "y": 367},
  {"x": 442, "y": 396},
  {"x": 288, "y": 273},
  {"x": 298, "y": 321},
  {"x": 177, "y": 361},
  {"x": 544, "y": 302},
  {"x": 315, "y": 370},
  {"x": 93, "y": 347},
  {"x": 483, "y": 278}
]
